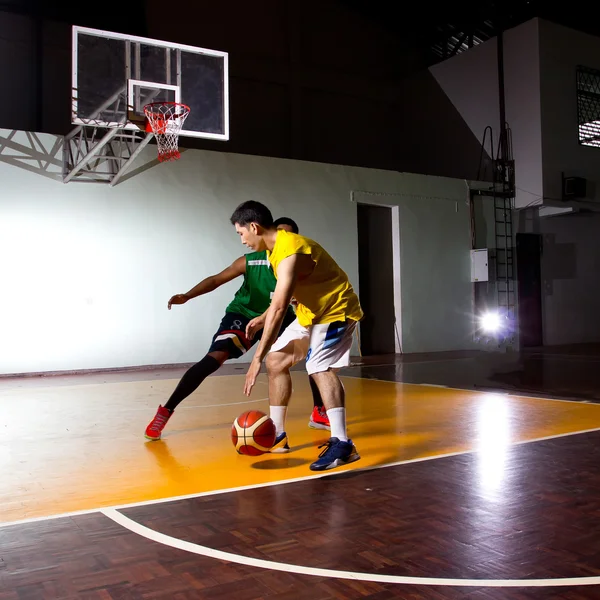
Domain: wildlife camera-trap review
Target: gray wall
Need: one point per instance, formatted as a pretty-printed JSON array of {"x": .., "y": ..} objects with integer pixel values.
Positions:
[
  {"x": 470, "y": 81},
  {"x": 436, "y": 292},
  {"x": 437, "y": 307},
  {"x": 561, "y": 50},
  {"x": 89, "y": 269},
  {"x": 540, "y": 65},
  {"x": 571, "y": 257},
  {"x": 571, "y": 285},
  {"x": 523, "y": 111}
]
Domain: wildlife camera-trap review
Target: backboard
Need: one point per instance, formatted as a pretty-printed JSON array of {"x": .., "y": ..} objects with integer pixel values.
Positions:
[{"x": 116, "y": 75}]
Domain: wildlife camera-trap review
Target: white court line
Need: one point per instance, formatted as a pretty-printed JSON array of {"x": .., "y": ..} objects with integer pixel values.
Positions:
[
  {"x": 239, "y": 559},
  {"x": 499, "y": 392},
  {"x": 255, "y": 486}
]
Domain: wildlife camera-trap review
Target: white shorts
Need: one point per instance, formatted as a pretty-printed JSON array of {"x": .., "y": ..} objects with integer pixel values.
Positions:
[{"x": 325, "y": 345}]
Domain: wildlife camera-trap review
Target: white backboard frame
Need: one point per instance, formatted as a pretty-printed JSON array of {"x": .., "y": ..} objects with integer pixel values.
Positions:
[
  {"x": 132, "y": 83},
  {"x": 161, "y": 44}
]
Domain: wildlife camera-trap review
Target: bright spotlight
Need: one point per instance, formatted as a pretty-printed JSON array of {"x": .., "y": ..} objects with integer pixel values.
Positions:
[{"x": 490, "y": 322}]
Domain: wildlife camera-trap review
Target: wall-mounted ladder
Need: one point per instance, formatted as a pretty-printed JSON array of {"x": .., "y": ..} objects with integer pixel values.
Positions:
[{"x": 504, "y": 256}]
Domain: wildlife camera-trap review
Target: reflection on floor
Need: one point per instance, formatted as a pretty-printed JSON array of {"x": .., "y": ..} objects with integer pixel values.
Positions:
[
  {"x": 472, "y": 498},
  {"x": 81, "y": 447}
]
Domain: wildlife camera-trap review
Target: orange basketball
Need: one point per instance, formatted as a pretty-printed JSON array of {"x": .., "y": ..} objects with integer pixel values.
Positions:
[{"x": 253, "y": 433}]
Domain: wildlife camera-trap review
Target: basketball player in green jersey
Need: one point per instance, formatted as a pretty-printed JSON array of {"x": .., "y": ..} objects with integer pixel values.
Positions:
[{"x": 240, "y": 329}]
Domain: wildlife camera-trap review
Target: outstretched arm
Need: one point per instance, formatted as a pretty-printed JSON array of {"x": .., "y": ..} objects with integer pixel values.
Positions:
[
  {"x": 286, "y": 281},
  {"x": 235, "y": 269}
]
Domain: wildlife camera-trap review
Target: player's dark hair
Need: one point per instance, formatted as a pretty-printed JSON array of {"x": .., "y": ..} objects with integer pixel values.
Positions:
[
  {"x": 252, "y": 212},
  {"x": 286, "y": 221}
]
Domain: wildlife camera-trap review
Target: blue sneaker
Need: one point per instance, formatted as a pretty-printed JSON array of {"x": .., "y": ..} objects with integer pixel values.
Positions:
[
  {"x": 281, "y": 443},
  {"x": 336, "y": 454}
]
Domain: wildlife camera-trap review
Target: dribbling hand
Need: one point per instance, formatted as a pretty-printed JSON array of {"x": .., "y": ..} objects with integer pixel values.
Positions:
[{"x": 178, "y": 299}]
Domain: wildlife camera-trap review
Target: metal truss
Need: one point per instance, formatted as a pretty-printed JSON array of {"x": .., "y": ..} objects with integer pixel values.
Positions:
[
  {"x": 95, "y": 153},
  {"x": 472, "y": 23},
  {"x": 99, "y": 155}
]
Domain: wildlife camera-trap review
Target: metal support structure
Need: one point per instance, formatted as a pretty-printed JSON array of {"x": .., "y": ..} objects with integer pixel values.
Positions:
[
  {"x": 134, "y": 155},
  {"x": 459, "y": 44},
  {"x": 502, "y": 196},
  {"x": 119, "y": 110},
  {"x": 504, "y": 181},
  {"x": 94, "y": 150},
  {"x": 503, "y": 150},
  {"x": 94, "y": 154}
]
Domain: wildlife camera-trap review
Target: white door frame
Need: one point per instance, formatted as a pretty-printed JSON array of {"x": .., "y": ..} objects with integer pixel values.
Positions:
[{"x": 379, "y": 199}]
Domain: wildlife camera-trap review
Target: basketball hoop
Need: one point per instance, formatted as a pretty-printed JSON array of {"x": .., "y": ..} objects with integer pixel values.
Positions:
[{"x": 165, "y": 120}]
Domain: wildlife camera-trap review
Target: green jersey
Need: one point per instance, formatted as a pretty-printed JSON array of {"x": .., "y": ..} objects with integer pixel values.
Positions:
[{"x": 254, "y": 296}]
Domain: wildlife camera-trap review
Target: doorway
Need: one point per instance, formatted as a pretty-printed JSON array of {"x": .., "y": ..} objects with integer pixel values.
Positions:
[
  {"x": 529, "y": 277},
  {"x": 378, "y": 331}
]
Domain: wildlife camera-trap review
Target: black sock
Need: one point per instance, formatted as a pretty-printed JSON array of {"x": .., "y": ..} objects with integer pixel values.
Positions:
[
  {"x": 317, "y": 400},
  {"x": 193, "y": 377}
]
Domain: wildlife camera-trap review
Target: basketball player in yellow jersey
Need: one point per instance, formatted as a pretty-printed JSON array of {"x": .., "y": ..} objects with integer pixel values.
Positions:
[{"x": 327, "y": 313}]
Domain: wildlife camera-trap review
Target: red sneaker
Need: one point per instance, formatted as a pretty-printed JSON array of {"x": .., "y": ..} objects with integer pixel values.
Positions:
[
  {"x": 319, "y": 419},
  {"x": 157, "y": 424}
]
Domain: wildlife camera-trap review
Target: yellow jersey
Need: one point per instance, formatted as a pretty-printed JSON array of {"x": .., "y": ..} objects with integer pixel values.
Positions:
[{"x": 325, "y": 295}]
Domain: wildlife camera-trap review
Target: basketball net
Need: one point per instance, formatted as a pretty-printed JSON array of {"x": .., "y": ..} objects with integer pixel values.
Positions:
[{"x": 165, "y": 120}]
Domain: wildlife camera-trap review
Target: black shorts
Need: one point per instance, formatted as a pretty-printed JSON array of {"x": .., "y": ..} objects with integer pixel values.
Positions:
[{"x": 231, "y": 335}]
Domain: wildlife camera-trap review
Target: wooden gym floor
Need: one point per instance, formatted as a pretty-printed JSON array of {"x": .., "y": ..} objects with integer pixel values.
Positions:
[{"x": 461, "y": 492}]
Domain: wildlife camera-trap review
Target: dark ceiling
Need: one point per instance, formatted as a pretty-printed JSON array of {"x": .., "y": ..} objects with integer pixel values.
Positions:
[
  {"x": 442, "y": 30},
  {"x": 122, "y": 17},
  {"x": 435, "y": 30}
]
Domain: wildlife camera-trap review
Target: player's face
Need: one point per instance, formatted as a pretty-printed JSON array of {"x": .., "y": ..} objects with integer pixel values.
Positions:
[
  {"x": 287, "y": 228},
  {"x": 249, "y": 236}
]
